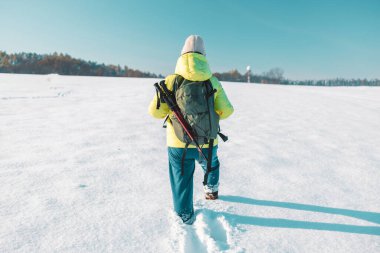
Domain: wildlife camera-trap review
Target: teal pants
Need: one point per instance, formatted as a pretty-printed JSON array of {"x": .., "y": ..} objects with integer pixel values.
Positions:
[{"x": 182, "y": 185}]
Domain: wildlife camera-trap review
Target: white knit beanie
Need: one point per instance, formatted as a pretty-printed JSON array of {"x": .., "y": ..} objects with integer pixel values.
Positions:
[{"x": 194, "y": 43}]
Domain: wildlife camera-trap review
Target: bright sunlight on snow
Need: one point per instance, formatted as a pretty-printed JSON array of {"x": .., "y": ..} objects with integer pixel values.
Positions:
[{"x": 83, "y": 168}]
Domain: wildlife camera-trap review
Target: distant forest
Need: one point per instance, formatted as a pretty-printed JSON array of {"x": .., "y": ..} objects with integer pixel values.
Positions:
[
  {"x": 64, "y": 64},
  {"x": 276, "y": 76}
]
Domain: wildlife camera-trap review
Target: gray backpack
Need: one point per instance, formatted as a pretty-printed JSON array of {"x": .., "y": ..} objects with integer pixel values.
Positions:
[{"x": 196, "y": 102}]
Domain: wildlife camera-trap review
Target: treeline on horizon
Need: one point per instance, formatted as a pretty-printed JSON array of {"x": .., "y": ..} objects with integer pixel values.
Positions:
[
  {"x": 276, "y": 76},
  {"x": 64, "y": 64}
]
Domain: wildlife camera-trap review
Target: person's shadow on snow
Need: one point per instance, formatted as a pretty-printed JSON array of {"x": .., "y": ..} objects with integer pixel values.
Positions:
[{"x": 286, "y": 223}]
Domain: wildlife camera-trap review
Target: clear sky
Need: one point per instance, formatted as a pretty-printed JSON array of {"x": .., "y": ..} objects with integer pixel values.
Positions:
[{"x": 307, "y": 38}]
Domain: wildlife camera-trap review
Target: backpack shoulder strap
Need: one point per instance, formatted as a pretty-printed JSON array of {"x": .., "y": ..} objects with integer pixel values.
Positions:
[
  {"x": 210, "y": 89},
  {"x": 178, "y": 80}
]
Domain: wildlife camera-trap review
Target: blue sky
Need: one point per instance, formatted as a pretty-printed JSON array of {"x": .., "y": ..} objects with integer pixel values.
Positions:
[{"x": 308, "y": 39}]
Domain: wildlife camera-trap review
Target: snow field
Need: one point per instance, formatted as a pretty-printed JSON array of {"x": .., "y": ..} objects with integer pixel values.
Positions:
[{"x": 83, "y": 168}]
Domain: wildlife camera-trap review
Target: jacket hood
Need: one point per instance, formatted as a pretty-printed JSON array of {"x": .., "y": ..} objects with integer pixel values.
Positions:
[{"x": 193, "y": 66}]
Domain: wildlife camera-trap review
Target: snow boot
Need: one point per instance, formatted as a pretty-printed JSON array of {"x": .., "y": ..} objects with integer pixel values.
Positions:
[
  {"x": 188, "y": 219},
  {"x": 211, "y": 195}
]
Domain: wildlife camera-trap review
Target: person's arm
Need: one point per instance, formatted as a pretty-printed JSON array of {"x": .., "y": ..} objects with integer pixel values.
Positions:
[
  {"x": 223, "y": 106},
  {"x": 159, "y": 113},
  {"x": 164, "y": 109}
]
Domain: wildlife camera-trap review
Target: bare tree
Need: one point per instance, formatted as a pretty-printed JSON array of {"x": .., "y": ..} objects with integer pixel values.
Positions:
[{"x": 274, "y": 75}]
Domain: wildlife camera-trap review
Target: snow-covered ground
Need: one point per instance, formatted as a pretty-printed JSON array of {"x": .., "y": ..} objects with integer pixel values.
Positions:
[{"x": 83, "y": 168}]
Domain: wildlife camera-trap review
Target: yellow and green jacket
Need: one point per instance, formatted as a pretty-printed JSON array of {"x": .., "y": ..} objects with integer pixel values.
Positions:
[{"x": 194, "y": 67}]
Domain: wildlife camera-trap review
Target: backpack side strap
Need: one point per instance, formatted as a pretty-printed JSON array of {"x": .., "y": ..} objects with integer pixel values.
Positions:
[
  {"x": 183, "y": 158},
  {"x": 209, "y": 161}
]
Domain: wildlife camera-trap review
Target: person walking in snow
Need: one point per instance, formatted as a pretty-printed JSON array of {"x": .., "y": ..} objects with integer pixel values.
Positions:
[{"x": 192, "y": 77}]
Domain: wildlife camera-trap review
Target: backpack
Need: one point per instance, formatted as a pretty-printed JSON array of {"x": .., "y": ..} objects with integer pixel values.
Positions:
[{"x": 196, "y": 102}]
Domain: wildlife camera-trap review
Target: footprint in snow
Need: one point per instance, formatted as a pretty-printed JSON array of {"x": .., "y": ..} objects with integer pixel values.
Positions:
[
  {"x": 184, "y": 238},
  {"x": 64, "y": 93},
  {"x": 192, "y": 242},
  {"x": 213, "y": 230}
]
